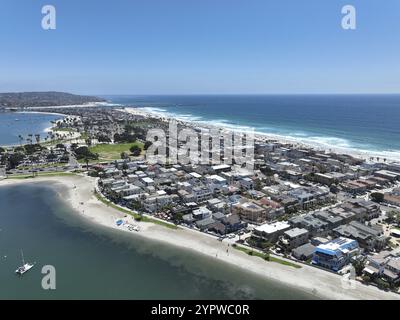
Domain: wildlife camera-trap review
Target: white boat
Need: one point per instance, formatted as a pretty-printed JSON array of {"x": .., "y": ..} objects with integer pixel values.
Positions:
[
  {"x": 133, "y": 228},
  {"x": 25, "y": 266}
]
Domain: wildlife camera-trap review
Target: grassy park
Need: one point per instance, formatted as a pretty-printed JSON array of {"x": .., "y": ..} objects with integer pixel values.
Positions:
[{"x": 111, "y": 152}]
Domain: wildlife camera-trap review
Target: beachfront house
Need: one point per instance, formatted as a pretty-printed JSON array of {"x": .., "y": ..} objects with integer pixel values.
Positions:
[
  {"x": 270, "y": 232},
  {"x": 304, "y": 252},
  {"x": 293, "y": 238},
  {"x": 335, "y": 254}
]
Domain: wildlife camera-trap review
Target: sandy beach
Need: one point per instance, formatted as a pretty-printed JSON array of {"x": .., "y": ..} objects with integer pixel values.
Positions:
[
  {"x": 320, "y": 283},
  {"x": 297, "y": 142},
  {"x": 85, "y": 105}
]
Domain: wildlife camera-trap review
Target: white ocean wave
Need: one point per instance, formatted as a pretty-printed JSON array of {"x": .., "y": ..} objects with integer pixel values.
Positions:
[
  {"x": 153, "y": 109},
  {"x": 329, "y": 143},
  {"x": 165, "y": 113},
  {"x": 229, "y": 125},
  {"x": 187, "y": 117}
]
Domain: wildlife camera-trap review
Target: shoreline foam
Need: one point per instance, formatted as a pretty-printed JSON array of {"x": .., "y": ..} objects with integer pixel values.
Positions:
[{"x": 307, "y": 141}]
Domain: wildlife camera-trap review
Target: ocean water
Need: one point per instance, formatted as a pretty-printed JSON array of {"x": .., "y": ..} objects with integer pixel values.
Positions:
[
  {"x": 360, "y": 122},
  {"x": 13, "y": 124},
  {"x": 368, "y": 123},
  {"x": 94, "y": 262}
]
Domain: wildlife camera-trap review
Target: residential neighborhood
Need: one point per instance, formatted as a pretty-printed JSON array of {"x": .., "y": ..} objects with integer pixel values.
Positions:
[{"x": 324, "y": 209}]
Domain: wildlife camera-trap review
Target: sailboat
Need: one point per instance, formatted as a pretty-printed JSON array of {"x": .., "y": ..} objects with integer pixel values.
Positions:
[{"x": 25, "y": 266}]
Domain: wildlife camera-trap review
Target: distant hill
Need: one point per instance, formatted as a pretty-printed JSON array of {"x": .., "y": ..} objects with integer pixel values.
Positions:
[{"x": 43, "y": 99}]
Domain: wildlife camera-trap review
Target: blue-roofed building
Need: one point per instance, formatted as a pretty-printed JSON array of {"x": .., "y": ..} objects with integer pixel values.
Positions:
[{"x": 335, "y": 254}]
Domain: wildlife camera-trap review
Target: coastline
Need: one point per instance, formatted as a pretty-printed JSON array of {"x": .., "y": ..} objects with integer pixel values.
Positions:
[
  {"x": 85, "y": 105},
  {"x": 45, "y": 130},
  {"x": 319, "y": 283},
  {"x": 300, "y": 142},
  {"x": 31, "y": 110},
  {"x": 50, "y": 128},
  {"x": 303, "y": 142}
]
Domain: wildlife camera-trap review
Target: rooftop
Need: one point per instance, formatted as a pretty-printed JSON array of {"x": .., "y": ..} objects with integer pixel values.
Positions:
[
  {"x": 273, "y": 227},
  {"x": 295, "y": 232},
  {"x": 341, "y": 244}
]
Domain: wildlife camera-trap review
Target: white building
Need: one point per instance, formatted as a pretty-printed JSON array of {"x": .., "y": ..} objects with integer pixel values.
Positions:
[
  {"x": 201, "y": 213},
  {"x": 216, "y": 182},
  {"x": 271, "y": 231},
  {"x": 148, "y": 181}
]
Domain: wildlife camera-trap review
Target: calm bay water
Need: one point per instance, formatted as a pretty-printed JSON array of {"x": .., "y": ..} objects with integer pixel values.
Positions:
[
  {"x": 14, "y": 124},
  {"x": 94, "y": 262},
  {"x": 362, "y": 122}
]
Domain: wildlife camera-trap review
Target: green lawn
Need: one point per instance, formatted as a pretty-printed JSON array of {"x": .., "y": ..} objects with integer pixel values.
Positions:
[
  {"x": 44, "y": 174},
  {"x": 266, "y": 257},
  {"x": 253, "y": 253},
  {"x": 111, "y": 152},
  {"x": 284, "y": 262}
]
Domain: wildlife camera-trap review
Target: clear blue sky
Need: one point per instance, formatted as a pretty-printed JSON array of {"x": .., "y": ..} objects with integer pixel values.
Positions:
[{"x": 200, "y": 46}]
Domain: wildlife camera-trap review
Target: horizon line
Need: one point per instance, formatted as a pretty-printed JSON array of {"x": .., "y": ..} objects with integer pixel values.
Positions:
[{"x": 209, "y": 94}]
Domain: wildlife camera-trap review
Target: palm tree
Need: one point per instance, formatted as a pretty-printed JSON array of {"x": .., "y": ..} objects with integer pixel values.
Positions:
[
  {"x": 21, "y": 138},
  {"x": 86, "y": 159},
  {"x": 89, "y": 141}
]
